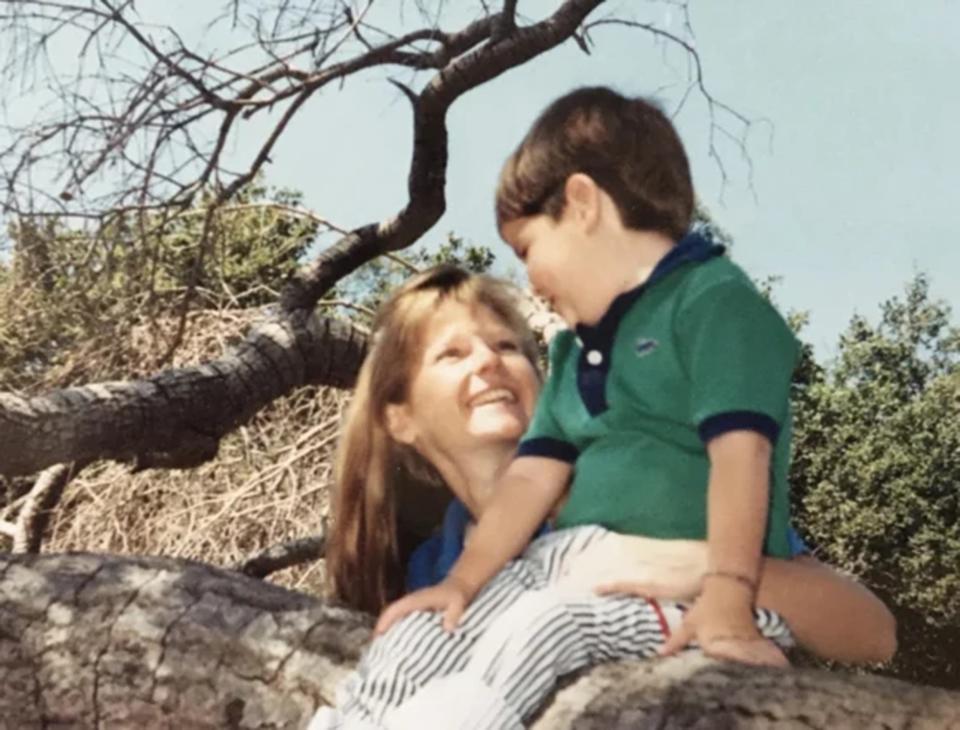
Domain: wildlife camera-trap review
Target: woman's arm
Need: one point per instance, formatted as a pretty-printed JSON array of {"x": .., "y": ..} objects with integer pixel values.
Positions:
[{"x": 830, "y": 614}]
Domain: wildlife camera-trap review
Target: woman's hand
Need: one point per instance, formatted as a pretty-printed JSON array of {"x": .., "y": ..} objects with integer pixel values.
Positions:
[
  {"x": 639, "y": 566},
  {"x": 448, "y": 596},
  {"x": 721, "y": 622},
  {"x": 662, "y": 583}
]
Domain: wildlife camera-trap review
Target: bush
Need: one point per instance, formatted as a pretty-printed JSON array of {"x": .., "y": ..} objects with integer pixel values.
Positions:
[{"x": 876, "y": 476}]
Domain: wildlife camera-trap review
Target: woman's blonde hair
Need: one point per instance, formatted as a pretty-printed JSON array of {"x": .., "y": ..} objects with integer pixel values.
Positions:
[{"x": 363, "y": 557}]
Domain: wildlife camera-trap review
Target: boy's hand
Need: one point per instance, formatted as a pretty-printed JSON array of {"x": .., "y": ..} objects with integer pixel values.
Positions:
[
  {"x": 448, "y": 596},
  {"x": 721, "y": 622}
]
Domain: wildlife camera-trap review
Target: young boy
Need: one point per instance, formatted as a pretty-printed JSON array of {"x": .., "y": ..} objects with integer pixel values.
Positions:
[{"x": 666, "y": 409}]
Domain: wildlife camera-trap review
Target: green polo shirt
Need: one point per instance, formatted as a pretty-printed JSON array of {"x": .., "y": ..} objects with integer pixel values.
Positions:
[{"x": 692, "y": 353}]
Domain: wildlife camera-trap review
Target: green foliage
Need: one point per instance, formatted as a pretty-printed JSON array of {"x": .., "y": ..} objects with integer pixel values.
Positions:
[
  {"x": 876, "y": 478},
  {"x": 366, "y": 288},
  {"x": 65, "y": 292},
  {"x": 704, "y": 221}
]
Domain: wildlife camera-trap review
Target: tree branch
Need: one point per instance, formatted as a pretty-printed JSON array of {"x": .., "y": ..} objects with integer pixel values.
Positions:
[
  {"x": 279, "y": 557},
  {"x": 427, "y": 177},
  {"x": 175, "y": 419},
  {"x": 39, "y": 505}
]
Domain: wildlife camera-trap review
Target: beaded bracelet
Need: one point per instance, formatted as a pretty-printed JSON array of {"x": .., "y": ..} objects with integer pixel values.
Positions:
[{"x": 731, "y": 575}]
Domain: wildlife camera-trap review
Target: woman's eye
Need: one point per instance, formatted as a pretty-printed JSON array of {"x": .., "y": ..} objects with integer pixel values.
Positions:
[
  {"x": 449, "y": 353},
  {"x": 508, "y": 346}
]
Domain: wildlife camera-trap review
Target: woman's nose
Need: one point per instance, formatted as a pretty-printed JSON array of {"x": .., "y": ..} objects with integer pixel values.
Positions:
[{"x": 485, "y": 357}]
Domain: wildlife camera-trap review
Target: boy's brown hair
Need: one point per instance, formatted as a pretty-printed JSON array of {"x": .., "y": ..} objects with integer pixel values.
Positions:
[{"x": 629, "y": 148}]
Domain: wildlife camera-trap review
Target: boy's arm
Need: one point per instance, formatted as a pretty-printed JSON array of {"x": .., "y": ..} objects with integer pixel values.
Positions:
[
  {"x": 722, "y": 620},
  {"x": 738, "y": 495},
  {"x": 523, "y": 497}
]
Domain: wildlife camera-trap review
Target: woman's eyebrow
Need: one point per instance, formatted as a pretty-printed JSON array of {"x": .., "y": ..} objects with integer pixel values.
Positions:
[{"x": 444, "y": 340}]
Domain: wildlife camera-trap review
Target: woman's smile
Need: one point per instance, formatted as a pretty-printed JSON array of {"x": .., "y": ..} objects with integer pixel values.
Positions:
[{"x": 474, "y": 385}]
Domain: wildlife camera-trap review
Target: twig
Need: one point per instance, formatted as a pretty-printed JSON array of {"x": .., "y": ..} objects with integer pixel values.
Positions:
[
  {"x": 39, "y": 505},
  {"x": 282, "y": 556}
]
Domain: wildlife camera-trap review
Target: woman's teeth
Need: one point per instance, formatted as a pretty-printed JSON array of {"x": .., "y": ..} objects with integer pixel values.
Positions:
[{"x": 496, "y": 395}]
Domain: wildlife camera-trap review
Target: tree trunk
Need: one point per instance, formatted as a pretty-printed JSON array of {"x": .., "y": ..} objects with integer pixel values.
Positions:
[{"x": 91, "y": 641}]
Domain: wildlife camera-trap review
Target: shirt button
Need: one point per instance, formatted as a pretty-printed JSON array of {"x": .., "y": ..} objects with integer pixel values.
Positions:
[{"x": 594, "y": 357}]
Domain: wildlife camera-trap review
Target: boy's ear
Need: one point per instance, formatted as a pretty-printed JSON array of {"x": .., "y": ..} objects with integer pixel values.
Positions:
[
  {"x": 583, "y": 201},
  {"x": 399, "y": 424}
]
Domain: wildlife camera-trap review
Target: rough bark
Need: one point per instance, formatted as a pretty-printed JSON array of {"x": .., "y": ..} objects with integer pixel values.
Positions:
[
  {"x": 94, "y": 641},
  {"x": 175, "y": 419}
]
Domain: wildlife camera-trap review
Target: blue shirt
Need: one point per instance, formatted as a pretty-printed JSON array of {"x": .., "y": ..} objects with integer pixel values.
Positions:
[{"x": 432, "y": 560}]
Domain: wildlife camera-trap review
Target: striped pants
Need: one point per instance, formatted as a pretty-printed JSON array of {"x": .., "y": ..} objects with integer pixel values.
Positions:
[{"x": 523, "y": 631}]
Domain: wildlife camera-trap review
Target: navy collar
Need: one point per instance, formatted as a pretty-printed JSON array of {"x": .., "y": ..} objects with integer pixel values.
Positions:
[{"x": 693, "y": 247}]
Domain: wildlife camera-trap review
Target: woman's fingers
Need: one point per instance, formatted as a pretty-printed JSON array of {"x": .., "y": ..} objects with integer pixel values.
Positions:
[
  {"x": 451, "y": 617},
  {"x": 679, "y": 640},
  {"x": 442, "y": 597},
  {"x": 393, "y": 613},
  {"x": 625, "y": 587},
  {"x": 424, "y": 600}
]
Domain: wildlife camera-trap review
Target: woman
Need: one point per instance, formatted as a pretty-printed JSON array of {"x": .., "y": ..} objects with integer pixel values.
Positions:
[{"x": 444, "y": 396}]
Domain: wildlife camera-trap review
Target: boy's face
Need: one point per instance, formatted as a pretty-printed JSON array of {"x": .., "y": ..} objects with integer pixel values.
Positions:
[{"x": 567, "y": 265}]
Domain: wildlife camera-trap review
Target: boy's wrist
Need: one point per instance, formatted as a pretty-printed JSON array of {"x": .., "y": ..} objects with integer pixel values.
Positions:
[
  {"x": 720, "y": 590},
  {"x": 744, "y": 580}
]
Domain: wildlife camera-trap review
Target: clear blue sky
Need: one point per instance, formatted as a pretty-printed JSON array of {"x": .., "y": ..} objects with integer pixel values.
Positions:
[
  {"x": 855, "y": 178},
  {"x": 854, "y": 190}
]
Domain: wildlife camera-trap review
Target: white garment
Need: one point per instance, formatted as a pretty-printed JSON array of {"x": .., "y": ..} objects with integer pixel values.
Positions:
[{"x": 528, "y": 627}]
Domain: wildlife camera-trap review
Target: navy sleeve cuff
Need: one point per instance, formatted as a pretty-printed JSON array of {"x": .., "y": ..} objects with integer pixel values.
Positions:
[
  {"x": 551, "y": 448},
  {"x": 721, "y": 423}
]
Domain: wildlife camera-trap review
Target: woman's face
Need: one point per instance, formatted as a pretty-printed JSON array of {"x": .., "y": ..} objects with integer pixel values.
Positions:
[{"x": 471, "y": 387}]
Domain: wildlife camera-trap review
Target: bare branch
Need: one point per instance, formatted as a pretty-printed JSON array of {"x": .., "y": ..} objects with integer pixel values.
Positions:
[
  {"x": 163, "y": 129},
  {"x": 427, "y": 177},
  {"x": 279, "y": 557},
  {"x": 176, "y": 418},
  {"x": 508, "y": 21},
  {"x": 715, "y": 107},
  {"x": 38, "y": 506}
]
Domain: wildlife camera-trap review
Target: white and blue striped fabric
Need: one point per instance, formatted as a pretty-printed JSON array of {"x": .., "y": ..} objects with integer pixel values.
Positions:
[{"x": 524, "y": 631}]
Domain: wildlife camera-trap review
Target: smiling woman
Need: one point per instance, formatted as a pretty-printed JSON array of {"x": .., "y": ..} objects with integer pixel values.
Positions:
[{"x": 441, "y": 401}]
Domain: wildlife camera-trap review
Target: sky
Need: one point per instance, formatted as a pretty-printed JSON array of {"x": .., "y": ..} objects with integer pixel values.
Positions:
[
  {"x": 849, "y": 187},
  {"x": 852, "y": 184}
]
